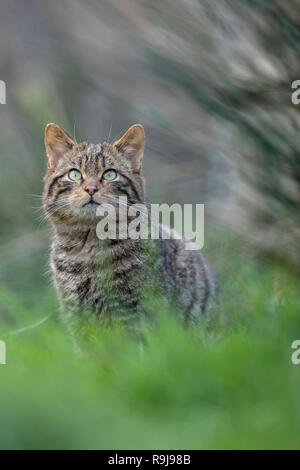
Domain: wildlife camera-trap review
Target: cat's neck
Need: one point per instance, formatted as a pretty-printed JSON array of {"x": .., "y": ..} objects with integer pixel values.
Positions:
[
  {"x": 83, "y": 238},
  {"x": 74, "y": 238}
]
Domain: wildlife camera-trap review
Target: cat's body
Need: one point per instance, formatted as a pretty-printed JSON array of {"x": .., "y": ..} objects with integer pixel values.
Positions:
[{"x": 109, "y": 277}]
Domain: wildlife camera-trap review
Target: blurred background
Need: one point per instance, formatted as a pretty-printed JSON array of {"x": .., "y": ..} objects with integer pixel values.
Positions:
[{"x": 209, "y": 80}]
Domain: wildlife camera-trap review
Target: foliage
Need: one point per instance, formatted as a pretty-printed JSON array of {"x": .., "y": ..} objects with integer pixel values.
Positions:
[{"x": 187, "y": 389}]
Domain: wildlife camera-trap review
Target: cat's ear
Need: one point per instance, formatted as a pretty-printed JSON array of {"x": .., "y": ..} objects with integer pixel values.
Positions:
[
  {"x": 132, "y": 144},
  {"x": 57, "y": 143}
]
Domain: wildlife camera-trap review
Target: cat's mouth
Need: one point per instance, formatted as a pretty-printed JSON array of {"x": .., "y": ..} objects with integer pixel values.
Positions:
[{"x": 91, "y": 202}]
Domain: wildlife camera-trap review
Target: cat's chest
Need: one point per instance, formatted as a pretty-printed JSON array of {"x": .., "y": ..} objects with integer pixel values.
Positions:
[
  {"x": 79, "y": 275},
  {"x": 98, "y": 276}
]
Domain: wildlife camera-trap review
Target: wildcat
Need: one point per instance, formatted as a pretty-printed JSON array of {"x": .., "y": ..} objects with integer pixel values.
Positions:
[{"x": 107, "y": 278}]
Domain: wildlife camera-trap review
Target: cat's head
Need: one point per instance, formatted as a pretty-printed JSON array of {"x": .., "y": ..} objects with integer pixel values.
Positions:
[{"x": 80, "y": 176}]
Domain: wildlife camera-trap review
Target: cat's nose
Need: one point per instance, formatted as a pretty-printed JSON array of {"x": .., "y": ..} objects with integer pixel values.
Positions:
[{"x": 91, "y": 189}]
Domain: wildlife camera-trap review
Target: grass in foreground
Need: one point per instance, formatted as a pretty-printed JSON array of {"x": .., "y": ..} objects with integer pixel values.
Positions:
[{"x": 185, "y": 389}]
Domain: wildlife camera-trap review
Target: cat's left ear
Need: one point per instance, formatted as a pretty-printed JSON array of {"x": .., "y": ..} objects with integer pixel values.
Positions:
[
  {"x": 132, "y": 144},
  {"x": 57, "y": 143}
]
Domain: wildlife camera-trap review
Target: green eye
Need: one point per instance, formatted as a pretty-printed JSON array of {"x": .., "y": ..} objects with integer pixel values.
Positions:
[
  {"x": 74, "y": 175},
  {"x": 110, "y": 175}
]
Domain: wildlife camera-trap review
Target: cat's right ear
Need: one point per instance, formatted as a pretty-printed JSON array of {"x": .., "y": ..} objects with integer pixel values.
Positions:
[
  {"x": 57, "y": 143},
  {"x": 131, "y": 144}
]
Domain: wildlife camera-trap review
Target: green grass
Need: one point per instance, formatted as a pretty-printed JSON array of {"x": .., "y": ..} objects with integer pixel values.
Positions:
[{"x": 231, "y": 387}]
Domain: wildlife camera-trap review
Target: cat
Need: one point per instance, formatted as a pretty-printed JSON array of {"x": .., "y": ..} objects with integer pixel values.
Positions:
[{"x": 108, "y": 278}]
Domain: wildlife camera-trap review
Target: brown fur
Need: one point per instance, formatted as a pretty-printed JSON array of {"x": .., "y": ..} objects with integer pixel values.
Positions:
[{"x": 108, "y": 277}]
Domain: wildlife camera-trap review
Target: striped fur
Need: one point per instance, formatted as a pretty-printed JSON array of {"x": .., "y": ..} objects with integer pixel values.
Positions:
[{"x": 108, "y": 277}]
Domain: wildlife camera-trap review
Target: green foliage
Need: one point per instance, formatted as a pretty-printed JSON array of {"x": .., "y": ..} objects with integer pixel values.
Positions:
[{"x": 233, "y": 387}]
